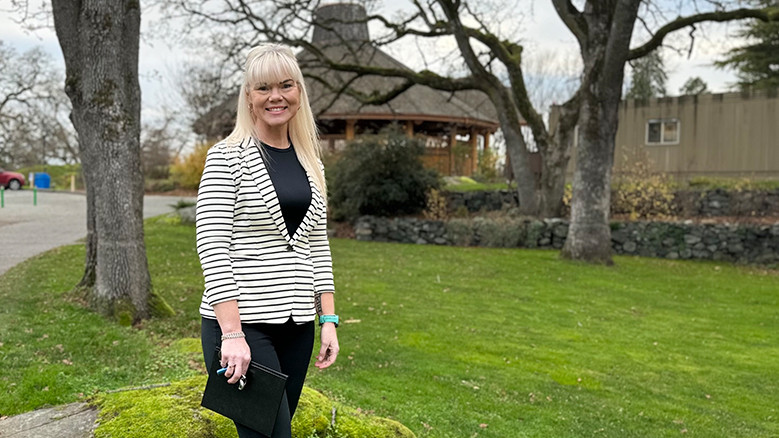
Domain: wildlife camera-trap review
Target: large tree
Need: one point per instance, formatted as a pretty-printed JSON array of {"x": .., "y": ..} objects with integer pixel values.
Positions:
[
  {"x": 100, "y": 43},
  {"x": 757, "y": 62},
  {"x": 603, "y": 30}
]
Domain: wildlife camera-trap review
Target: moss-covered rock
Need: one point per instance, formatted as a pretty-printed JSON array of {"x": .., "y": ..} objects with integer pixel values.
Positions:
[{"x": 174, "y": 412}]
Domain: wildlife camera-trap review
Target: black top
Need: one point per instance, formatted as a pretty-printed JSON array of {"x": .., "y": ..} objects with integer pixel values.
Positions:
[{"x": 291, "y": 184}]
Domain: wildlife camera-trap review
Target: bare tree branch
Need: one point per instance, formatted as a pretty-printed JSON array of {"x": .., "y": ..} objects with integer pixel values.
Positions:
[
  {"x": 768, "y": 14},
  {"x": 572, "y": 19}
]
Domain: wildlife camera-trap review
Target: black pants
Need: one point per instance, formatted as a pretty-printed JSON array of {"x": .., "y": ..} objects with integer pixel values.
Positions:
[{"x": 284, "y": 347}]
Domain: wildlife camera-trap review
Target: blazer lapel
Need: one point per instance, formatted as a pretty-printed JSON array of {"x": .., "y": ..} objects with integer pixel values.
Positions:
[
  {"x": 314, "y": 212},
  {"x": 256, "y": 165}
]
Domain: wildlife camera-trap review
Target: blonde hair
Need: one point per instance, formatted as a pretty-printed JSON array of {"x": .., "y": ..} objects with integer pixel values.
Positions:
[{"x": 270, "y": 64}]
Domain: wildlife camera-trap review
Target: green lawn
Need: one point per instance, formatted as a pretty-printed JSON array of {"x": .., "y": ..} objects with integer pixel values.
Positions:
[{"x": 452, "y": 342}]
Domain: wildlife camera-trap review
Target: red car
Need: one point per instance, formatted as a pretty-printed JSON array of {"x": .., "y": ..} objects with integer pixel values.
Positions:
[{"x": 11, "y": 180}]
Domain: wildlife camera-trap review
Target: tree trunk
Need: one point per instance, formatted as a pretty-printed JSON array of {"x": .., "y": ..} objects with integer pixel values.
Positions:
[
  {"x": 100, "y": 42},
  {"x": 610, "y": 26},
  {"x": 554, "y": 162},
  {"x": 90, "y": 260},
  {"x": 519, "y": 157},
  {"x": 556, "y": 153}
]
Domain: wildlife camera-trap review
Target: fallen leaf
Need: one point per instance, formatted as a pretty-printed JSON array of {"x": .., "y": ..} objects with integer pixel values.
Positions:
[
  {"x": 67, "y": 362},
  {"x": 483, "y": 425},
  {"x": 45, "y": 388}
]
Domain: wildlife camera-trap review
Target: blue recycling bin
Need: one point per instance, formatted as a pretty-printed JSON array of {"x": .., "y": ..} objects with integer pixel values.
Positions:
[{"x": 42, "y": 180}]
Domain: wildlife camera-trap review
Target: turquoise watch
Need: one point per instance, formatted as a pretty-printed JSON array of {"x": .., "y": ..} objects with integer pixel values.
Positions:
[{"x": 328, "y": 318}]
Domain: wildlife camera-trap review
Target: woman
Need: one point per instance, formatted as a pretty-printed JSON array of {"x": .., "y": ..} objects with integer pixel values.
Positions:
[{"x": 262, "y": 237}]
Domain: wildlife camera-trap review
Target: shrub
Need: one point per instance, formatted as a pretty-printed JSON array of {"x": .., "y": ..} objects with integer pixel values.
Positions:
[
  {"x": 487, "y": 169},
  {"x": 640, "y": 192},
  {"x": 380, "y": 175},
  {"x": 187, "y": 170},
  {"x": 436, "y": 208},
  {"x": 732, "y": 184}
]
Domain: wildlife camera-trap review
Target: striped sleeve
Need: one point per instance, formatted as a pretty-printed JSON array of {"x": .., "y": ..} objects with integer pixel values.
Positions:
[
  {"x": 320, "y": 254},
  {"x": 214, "y": 226}
]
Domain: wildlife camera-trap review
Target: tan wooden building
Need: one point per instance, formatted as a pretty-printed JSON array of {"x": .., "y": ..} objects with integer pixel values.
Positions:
[{"x": 717, "y": 135}]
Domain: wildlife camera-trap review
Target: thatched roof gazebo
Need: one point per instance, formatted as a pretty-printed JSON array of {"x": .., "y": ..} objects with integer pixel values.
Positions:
[{"x": 341, "y": 32}]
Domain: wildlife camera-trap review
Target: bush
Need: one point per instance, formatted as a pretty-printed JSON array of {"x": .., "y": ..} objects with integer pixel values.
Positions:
[
  {"x": 380, "y": 175},
  {"x": 487, "y": 170},
  {"x": 187, "y": 170},
  {"x": 436, "y": 205},
  {"x": 641, "y": 193},
  {"x": 732, "y": 184}
]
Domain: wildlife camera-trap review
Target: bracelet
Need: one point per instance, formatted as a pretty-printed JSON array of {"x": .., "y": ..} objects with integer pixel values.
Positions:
[{"x": 233, "y": 335}]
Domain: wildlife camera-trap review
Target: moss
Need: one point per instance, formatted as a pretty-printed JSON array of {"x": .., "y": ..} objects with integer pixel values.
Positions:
[
  {"x": 158, "y": 306},
  {"x": 351, "y": 423},
  {"x": 174, "y": 412},
  {"x": 312, "y": 417},
  {"x": 188, "y": 346}
]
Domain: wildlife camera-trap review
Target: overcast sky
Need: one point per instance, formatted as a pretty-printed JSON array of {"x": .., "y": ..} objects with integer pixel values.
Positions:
[{"x": 541, "y": 32}]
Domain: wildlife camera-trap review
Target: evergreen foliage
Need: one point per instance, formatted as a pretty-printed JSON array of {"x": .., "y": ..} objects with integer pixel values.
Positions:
[
  {"x": 757, "y": 63},
  {"x": 694, "y": 86},
  {"x": 648, "y": 78},
  {"x": 380, "y": 175}
]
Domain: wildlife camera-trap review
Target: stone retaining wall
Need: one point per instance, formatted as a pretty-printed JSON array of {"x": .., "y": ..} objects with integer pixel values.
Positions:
[
  {"x": 673, "y": 240},
  {"x": 687, "y": 203}
]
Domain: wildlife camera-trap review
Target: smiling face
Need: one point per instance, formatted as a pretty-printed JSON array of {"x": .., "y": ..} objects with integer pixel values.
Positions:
[{"x": 273, "y": 105}]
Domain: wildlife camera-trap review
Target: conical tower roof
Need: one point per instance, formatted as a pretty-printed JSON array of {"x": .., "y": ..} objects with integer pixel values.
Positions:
[{"x": 341, "y": 32}]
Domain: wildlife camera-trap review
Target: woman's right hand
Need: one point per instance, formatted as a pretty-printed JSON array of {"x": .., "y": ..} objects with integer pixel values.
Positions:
[{"x": 236, "y": 356}]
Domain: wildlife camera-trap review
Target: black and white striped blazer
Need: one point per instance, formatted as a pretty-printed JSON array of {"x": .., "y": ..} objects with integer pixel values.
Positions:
[{"x": 245, "y": 250}]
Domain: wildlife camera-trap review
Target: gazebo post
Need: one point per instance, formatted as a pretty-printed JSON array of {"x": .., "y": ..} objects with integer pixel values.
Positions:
[
  {"x": 452, "y": 144},
  {"x": 409, "y": 129},
  {"x": 350, "y": 129},
  {"x": 474, "y": 150}
]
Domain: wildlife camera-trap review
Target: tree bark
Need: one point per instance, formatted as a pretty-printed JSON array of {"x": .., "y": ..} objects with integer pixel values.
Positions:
[
  {"x": 100, "y": 42},
  {"x": 556, "y": 153},
  {"x": 605, "y": 49},
  {"x": 519, "y": 157},
  {"x": 90, "y": 259}
]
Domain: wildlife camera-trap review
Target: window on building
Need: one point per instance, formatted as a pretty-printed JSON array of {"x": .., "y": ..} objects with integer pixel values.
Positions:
[{"x": 662, "y": 131}]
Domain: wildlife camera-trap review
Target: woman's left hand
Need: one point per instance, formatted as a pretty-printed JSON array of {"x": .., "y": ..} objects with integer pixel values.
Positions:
[{"x": 329, "y": 350}]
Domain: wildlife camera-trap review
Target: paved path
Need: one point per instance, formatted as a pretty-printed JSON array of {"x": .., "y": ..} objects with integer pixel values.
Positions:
[{"x": 58, "y": 219}]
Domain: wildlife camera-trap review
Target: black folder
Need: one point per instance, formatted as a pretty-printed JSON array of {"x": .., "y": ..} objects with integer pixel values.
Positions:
[{"x": 256, "y": 405}]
